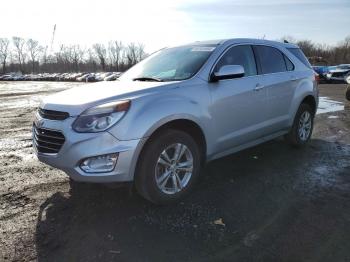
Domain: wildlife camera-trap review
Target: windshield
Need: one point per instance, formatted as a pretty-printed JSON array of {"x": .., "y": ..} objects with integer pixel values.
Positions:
[{"x": 172, "y": 64}]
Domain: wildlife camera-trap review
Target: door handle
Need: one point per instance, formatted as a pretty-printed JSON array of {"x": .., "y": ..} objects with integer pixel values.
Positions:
[
  {"x": 293, "y": 78},
  {"x": 258, "y": 87}
]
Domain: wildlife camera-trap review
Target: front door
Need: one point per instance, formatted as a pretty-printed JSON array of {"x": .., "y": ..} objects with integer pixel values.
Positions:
[{"x": 238, "y": 106}]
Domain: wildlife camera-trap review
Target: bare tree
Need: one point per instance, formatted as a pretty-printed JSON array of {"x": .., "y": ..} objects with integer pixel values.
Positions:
[
  {"x": 100, "y": 51},
  {"x": 44, "y": 56},
  {"x": 34, "y": 50},
  {"x": 345, "y": 46},
  {"x": 91, "y": 60},
  {"x": 19, "y": 42},
  {"x": 77, "y": 56},
  {"x": 140, "y": 52},
  {"x": 4, "y": 51},
  {"x": 66, "y": 58},
  {"x": 131, "y": 54},
  {"x": 115, "y": 52}
]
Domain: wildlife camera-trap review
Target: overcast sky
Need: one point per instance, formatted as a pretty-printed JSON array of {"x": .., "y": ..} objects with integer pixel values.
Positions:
[{"x": 158, "y": 23}]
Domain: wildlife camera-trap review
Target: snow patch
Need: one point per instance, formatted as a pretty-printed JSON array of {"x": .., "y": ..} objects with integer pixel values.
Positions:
[
  {"x": 327, "y": 105},
  {"x": 333, "y": 117}
]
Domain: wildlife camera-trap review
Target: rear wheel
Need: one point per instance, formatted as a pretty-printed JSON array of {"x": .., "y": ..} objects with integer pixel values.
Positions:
[
  {"x": 168, "y": 167},
  {"x": 301, "y": 130}
]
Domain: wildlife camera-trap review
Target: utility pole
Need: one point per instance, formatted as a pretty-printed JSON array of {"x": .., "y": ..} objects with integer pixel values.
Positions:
[{"x": 53, "y": 38}]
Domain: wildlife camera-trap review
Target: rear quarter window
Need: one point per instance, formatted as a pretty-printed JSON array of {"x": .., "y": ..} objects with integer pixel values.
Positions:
[
  {"x": 289, "y": 64},
  {"x": 300, "y": 55}
]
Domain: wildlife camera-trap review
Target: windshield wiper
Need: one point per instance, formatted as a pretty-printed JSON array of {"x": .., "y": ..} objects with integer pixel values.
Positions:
[{"x": 146, "y": 78}]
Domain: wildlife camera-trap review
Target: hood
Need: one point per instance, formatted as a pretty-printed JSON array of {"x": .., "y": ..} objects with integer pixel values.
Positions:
[{"x": 77, "y": 99}]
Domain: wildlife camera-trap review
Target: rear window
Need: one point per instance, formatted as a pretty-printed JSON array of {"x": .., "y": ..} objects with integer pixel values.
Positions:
[{"x": 300, "y": 55}]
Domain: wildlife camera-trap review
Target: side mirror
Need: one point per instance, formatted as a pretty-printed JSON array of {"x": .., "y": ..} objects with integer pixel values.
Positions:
[{"x": 228, "y": 72}]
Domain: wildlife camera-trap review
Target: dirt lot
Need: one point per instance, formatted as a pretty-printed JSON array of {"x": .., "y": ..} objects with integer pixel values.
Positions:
[{"x": 276, "y": 203}]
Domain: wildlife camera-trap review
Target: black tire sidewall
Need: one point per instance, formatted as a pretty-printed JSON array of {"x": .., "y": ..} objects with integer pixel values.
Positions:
[{"x": 145, "y": 176}]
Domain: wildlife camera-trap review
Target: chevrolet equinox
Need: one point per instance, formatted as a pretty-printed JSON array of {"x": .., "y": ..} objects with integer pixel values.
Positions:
[{"x": 176, "y": 110}]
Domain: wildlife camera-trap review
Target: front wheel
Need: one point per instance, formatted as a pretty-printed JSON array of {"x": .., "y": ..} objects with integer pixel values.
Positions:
[
  {"x": 303, "y": 124},
  {"x": 168, "y": 167}
]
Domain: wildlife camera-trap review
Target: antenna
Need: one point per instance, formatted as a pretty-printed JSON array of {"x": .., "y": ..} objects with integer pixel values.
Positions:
[{"x": 53, "y": 37}]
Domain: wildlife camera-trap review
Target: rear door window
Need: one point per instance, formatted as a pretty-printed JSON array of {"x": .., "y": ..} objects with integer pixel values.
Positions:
[
  {"x": 271, "y": 59},
  {"x": 300, "y": 55},
  {"x": 239, "y": 55}
]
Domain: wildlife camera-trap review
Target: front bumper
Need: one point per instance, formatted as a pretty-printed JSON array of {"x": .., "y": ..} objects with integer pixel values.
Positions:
[{"x": 78, "y": 146}]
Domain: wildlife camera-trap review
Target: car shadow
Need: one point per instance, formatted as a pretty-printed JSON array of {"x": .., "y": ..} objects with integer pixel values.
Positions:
[{"x": 270, "y": 202}]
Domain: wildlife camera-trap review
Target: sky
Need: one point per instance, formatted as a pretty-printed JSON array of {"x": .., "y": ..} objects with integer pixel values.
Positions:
[{"x": 161, "y": 23}]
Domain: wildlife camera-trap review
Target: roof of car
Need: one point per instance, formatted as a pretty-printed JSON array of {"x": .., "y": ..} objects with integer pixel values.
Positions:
[{"x": 240, "y": 40}]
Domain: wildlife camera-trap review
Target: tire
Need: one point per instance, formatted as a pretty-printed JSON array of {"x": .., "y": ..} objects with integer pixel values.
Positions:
[
  {"x": 152, "y": 170},
  {"x": 295, "y": 137},
  {"x": 347, "y": 94}
]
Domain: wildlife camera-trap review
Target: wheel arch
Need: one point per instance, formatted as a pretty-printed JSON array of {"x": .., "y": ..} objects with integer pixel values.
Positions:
[
  {"x": 311, "y": 101},
  {"x": 183, "y": 124}
]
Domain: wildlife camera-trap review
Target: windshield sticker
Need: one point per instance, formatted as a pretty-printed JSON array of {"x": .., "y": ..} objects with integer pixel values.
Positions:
[{"x": 202, "y": 49}]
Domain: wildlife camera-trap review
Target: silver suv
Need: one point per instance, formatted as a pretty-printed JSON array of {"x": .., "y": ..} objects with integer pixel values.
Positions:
[{"x": 176, "y": 110}]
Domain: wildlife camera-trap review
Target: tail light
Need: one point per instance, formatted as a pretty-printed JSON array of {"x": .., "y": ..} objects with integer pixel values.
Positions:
[{"x": 317, "y": 78}]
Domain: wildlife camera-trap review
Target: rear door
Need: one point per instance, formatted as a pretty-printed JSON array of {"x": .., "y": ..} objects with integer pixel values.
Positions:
[{"x": 280, "y": 81}]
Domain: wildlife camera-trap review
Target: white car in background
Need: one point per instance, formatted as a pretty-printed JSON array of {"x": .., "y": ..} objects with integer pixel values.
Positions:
[{"x": 339, "y": 73}]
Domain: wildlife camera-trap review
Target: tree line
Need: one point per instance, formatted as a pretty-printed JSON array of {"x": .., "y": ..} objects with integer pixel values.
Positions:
[
  {"x": 323, "y": 54},
  {"x": 29, "y": 56}
]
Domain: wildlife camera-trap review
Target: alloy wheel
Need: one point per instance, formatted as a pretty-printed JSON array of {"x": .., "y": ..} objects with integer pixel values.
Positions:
[
  {"x": 174, "y": 168},
  {"x": 305, "y": 124}
]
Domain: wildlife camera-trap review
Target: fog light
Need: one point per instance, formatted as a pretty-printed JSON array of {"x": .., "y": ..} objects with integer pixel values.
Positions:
[{"x": 99, "y": 164}]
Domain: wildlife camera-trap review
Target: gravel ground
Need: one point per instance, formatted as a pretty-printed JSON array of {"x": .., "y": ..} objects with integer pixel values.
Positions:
[{"x": 267, "y": 203}]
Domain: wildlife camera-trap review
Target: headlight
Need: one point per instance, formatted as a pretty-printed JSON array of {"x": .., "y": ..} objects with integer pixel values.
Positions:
[{"x": 102, "y": 117}]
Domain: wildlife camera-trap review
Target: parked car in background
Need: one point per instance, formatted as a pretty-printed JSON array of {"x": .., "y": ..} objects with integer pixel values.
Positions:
[
  {"x": 82, "y": 77},
  {"x": 321, "y": 71},
  {"x": 338, "y": 73},
  {"x": 85, "y": 77},
  {"x": 112, "y": 77},
  {"x": 347, "y": 79},
  {"x": 176, "y": 110}
]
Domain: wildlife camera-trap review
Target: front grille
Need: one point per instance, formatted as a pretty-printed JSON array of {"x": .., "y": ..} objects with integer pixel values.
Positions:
[
  {"x": 53, "y": 115},
  {"x": 47, "y": 141}
]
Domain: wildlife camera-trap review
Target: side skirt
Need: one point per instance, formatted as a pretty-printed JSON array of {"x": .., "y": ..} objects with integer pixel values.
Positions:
[{"x": 247, "y": 145}]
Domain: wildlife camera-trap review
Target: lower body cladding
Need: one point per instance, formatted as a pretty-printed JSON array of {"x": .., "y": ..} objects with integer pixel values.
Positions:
[{"x": 113, "y": 159}]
